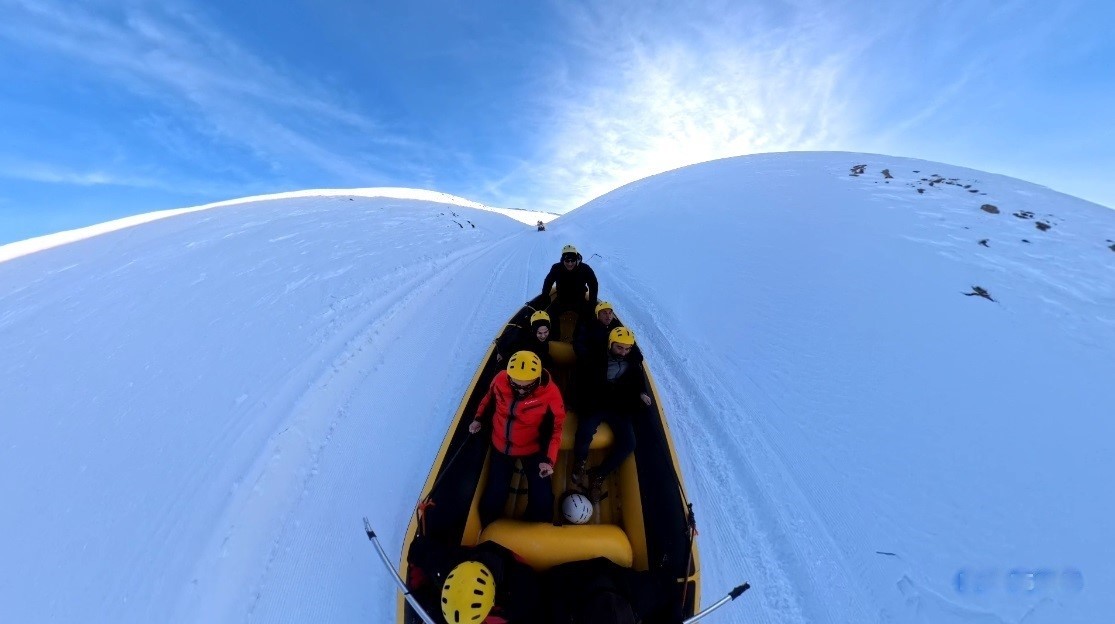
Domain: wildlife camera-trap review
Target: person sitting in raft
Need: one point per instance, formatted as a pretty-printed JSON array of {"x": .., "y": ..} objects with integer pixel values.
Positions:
[{"x": 524, "y": 402}]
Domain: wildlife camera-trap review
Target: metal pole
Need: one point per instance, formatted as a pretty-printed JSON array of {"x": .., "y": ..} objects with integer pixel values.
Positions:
[
  {"x": 732, "y": 595},
  {"x": 395, "y": 575}
]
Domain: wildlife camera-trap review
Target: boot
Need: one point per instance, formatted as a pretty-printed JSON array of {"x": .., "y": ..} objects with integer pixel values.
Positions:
[
  {"x": 596, "y": 489},
  {"x": 580, "y": 473}
]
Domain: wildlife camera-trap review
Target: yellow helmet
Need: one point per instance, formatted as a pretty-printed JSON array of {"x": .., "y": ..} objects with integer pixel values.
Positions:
[
  {"x": 524, "y": 366},
  {"x": 569, "y": 249},
  {"x": 540, "y": 315},
  {"x": 621, "y": 335},
  {"x": 468, "y": 594},
  {"x": 603, "y": 305}
]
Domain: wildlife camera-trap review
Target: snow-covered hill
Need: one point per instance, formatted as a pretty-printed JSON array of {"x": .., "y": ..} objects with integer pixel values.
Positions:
[
  {"x": 892, "y": 395},
  {"x": 24, "y": 247}
]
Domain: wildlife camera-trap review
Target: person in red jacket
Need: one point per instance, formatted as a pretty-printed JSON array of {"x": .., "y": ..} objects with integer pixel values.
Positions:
[{"x": 526, "y": 404}]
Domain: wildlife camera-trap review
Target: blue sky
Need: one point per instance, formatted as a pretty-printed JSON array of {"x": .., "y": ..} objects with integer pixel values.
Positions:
[{"x": 114, "y": 108}]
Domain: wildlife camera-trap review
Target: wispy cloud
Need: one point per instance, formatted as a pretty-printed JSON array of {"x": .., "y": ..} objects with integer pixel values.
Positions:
[
  {"x": 653, "y": 86},
  {"x": 172, "y": 54},
  {"x": 672, "y": 88},
  {"x": 52, "y": 173}
]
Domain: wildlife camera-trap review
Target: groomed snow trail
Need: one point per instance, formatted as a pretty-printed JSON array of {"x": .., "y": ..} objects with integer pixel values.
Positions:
[
  {"x": 359, "y": 409},
  {"x": 745, "y": 532},
  {"x": 230, "y": 346}
]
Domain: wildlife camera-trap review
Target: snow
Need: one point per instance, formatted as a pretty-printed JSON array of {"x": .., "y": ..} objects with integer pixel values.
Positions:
[
  {"x": 20, "y": 248},
  {"x": 200, "y": 408}
]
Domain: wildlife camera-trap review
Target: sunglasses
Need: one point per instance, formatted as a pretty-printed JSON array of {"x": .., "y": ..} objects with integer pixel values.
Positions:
[
  {"x": 524, "y": 388},
  {"x": 569, "y": 258}
]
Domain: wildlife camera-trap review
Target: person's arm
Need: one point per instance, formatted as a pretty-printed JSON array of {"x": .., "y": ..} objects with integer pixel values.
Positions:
[
  {"x": 557, "y": 408},
  {"x": 489, "y": 397},
  {"x": 644, "y": 392},
  {"x": 507, "y": 341},
  {"x": 593, "y": 285},
  {"x": 551, "y": 277},
  {"x": 580, "y": 331}
]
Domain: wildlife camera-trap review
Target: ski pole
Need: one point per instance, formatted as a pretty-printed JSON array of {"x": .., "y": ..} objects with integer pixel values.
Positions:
[
  {"x": 732, "y": 595},
  {"x": 395, "y": 574}
]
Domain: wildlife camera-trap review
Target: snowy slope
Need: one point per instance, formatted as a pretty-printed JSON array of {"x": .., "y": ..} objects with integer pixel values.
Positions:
[
  {"x": 201, "y": 407},
  {"x": 24, "y": 247},
  {"x": 172, "y": 387},
  {"x": 840, "y": 397}
]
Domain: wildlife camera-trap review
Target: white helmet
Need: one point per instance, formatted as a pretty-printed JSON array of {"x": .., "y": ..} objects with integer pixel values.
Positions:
[{"x": 576, "y": 508}]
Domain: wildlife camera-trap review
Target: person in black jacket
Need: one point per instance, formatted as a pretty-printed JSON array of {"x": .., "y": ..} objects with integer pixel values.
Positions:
[
  {"x": 573, "y": 279},
  {"x": 614, "y": 390},
  {"x": 591, "y": 335},
  {"x": 517, "y": 591},
  {"x": 535, "y": 338},
  {"x": 599, "y": 591},
  {"x": 590, "y": 340},
  {"x": 518, "y": 326}
]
